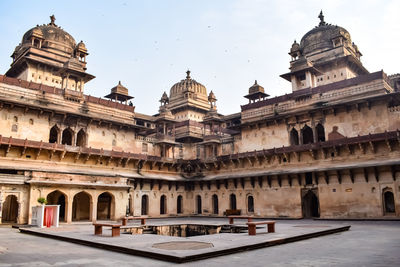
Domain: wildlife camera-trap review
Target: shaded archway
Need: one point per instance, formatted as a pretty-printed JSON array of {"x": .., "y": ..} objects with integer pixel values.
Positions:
[
  {"x": 179, "y": 203},
  {"x": 198, "y": 204},
  {"x": 9, "y": 212},
  {"x": 67, "y": 135},
  {"x": 58, "y": 198},
  {"x": 54, "y": 134},
  {"x": 81, "y": 207},
  {"x": 105, "y": 206},
  {"x": 250, "y": 204},
  {"x": 294, "y": 137},
  {"x": 320, "y": 133},
  {"x": 81, "y": 138},
  {"x": 310, "y": 204},
  {"x": 232, "y": 201},
  {"x": 307, "y": 134},
  {"x": 215, "y": 204},
  {"x": 145, "y": 205},
  {"x": 388, "y": 202},
  {"x": 163, "y": 204}
]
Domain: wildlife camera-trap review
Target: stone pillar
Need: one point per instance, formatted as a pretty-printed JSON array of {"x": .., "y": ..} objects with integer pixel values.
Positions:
[
  {"x": 69, "y": 209},
  {"x": 94, "y": 210}
]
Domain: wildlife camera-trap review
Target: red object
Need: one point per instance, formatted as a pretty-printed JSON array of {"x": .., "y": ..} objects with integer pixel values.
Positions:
[{"x": 48, "y": 216}]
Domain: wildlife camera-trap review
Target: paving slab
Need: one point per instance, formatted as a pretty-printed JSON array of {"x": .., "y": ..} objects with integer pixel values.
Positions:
[{"x": 184, "y": 249}]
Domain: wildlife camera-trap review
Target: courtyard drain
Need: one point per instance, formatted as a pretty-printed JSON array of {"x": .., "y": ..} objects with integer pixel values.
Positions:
[{"x": 183, "y": 245}]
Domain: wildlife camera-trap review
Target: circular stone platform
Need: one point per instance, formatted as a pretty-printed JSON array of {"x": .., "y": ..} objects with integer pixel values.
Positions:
[{"x": 182, "y": 245}]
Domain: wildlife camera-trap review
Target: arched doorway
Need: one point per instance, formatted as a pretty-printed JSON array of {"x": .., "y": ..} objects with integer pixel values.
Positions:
[
  {"x": 310, "y": 204},
  {"x": 215, "y": 204},
  {"x": 54, "y": 133},
  {"x": 81, "y": 207},
  {"x": 58, "y": 198},
  {"x": 198, "y": 204},
  {"x": 145, "y": 205},
  {"x": 232, "y": 201},
  {"x": 10, "y": 210},
  {"x": 294, "y": 137},
  {"x": 163, "y": 204},
  {"x": 105, "y": 206},
  {"x": 179, "y": 203},
  {"x": 67, "y": 135},
  {"x": 250, "y": 204},
  {"x": 81, "y": 138},
  {"x": 307, "y": 133},
  {"x": 320, "y": 133},
  {"x": 388, "y": 202}
]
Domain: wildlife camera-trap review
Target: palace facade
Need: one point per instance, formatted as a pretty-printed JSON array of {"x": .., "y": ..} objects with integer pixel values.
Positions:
[{"x": 329, "y": 149}]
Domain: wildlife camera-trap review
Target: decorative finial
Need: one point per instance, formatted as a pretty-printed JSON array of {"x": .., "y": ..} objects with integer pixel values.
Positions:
[
  {"x": 52, "y": 20},
  {"x": 255, "y": 82},
  {"x": 119, "y": 83},
  {"x": 188, "y": 74},
  {"x": 321, "y": 17}
]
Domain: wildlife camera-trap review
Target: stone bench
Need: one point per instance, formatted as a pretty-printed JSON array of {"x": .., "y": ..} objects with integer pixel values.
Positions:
[
  {"x": 115, "y": 228},
  {"x": 126, "y": 219},
  {"x": 252, "y": 226},
  {"x": 232, "y": 217}
]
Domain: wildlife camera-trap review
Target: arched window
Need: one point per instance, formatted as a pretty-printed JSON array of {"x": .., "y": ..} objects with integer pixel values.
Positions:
[
  {"x": 81, "y": 138},
  {"x": 294, "y": 137},
  {"x": 67, "y": 137},
  {"x": 179, "y": 203},
  {"x": 163, "y": 204},
  {"x": 145, "y": 205},
  {"x": 232, "y": 201},
  {"x": 54, "y": 133},
  {"x": 250, "y": 204},
  {"x": 308, "y": 137},
  {"x": 320, "y": 133},
  {"x": 215, "y": 204},
  {"x": 198, "y": 204}
]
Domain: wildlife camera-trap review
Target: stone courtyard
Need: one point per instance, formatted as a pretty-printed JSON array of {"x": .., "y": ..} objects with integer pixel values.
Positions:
[{"x": 367, "y": 243}]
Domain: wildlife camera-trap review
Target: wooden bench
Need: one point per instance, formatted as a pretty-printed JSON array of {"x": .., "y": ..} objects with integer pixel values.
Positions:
[
  {"x": 125, "y": 220},
  {"x": 232, "y": 217},
  {"x": 115, "y": 228},
  {"x": 233, "y": 212},
  {"x": 252, "y": 226}
]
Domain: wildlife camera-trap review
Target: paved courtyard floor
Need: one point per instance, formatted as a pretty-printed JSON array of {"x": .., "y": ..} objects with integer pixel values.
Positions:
[{"x": 365, "y": 244}]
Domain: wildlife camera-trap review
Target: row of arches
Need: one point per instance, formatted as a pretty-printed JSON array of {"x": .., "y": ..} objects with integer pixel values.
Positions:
[
  {"x": 82, "y": 205},
  {"x": 199, "y": 209},
  {"x": 307, "y": 135},
  {"x": 67, "y": 136}
]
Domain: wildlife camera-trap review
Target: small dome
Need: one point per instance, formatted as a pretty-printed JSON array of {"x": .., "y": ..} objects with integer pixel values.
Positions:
[
  {"x": 186, "y": 85},
  {"x": 81, "y": 47},
  {"x": 53, "y": 37},
  {"x": 321, "y": 37},
  {"x": 256, "y": 88}
]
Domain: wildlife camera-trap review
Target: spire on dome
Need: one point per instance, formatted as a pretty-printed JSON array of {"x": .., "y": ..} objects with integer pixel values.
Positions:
[{"x": 321, "y": 17}]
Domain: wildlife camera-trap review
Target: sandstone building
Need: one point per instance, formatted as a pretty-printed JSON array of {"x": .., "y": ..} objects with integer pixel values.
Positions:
[{"x": 329, "y": 149}]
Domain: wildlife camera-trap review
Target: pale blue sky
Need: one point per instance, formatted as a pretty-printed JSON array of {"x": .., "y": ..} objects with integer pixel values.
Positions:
[{"x": 149, "y": 45}]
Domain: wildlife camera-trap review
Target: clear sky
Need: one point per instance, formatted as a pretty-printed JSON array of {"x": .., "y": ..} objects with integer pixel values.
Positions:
[{"x": 149, "y": 45}]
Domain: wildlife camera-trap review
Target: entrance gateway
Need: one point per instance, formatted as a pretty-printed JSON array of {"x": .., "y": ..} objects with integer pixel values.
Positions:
[{"x": 310, "y": 203}]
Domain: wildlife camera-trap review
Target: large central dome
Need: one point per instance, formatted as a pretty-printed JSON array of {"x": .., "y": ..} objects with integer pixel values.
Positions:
[
  {"x": 187, "y": 85},
  {"x": 53, "y": 37},
  {"x": 321, "y": 37}
]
